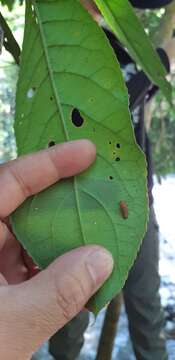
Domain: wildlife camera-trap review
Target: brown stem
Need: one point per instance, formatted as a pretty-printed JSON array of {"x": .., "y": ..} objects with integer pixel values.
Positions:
[
  {"x": 10, "y": 42},
  {"x": 109, "y": 329}
]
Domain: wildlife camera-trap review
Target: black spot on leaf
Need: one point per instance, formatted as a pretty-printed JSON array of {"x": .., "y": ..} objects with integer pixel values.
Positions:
[
  {"x": 111, "y": 177},
  {"x": 117, "y": 159},
  {"x": 118, "y": 146}
]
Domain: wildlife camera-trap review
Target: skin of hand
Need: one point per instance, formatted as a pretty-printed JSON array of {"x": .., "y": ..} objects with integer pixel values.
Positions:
[{"x": 33, "y": 304}]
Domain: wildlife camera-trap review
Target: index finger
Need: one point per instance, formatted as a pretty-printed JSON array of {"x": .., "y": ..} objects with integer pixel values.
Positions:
[{"x": 31, "y": 174}]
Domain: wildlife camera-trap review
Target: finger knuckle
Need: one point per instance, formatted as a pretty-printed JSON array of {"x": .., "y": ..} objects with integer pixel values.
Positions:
[
  {"x": 17, "y": 177},
  {"x": 71, "y": 297}
]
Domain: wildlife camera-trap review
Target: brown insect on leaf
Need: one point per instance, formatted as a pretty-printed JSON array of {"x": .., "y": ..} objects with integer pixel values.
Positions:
[{"x": 123, "y": 209}]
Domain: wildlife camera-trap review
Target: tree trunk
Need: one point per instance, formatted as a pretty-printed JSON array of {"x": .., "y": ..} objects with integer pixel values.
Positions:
[{"x": 165, "y": 30}]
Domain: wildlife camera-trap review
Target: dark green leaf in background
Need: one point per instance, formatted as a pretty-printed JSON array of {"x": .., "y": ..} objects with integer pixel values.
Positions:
[
  {"x": 69, "y": 68},
  {"x": 123, "y": 21}
]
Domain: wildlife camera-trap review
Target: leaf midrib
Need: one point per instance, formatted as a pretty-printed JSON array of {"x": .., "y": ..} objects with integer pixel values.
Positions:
[
  {"x": 50, "y": 70},
  {"x": 58, "y": 103}
]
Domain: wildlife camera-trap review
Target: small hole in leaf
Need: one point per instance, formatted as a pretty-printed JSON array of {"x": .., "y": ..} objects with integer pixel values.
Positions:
[
  {"x": 110, "y": 143},
  {"x": 118, "y": 146},
  {"x": 111, "y": 177},
  {"x": 51, "y": 98},
  {"x": 117, "y": 159},
  {"x": 51, "y": 143},
  {"x": 77, "y": 119},
  {"x": 31, "y": 92}
]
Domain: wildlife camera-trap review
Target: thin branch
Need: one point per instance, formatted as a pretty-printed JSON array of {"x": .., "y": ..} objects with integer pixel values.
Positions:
[
  {"x": 106, "y": 343},
  {"x": 1, "y": 39},
  {"x": 10, "y": 42}
]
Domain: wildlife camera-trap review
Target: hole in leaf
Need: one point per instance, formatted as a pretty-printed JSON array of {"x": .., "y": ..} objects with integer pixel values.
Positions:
[
  {"x": 77, "y": 119},
  {"x": 51, "y": 98},
  {"x": 111, "y": 177},
  {"x": 51, "y": 143},
  {"x": 31, "y": 92},
  {"x": 117, "y": 159},
  {"x": 118, "y": 146},
  {"x": 110, "y": 143}
]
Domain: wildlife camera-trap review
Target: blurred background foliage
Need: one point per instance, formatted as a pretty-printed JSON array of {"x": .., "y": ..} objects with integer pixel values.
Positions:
[
  {"x": 10, "y": 3},
  {"x": 8, "y": 78},
  {"x": 160, "y": 116}
]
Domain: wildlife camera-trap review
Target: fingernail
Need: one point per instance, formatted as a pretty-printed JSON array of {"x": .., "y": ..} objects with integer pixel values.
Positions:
[{"x": 100, "y": 265}]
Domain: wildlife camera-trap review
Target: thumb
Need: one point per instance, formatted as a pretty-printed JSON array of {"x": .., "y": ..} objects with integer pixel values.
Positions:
[{"x": 36, "y": 309}]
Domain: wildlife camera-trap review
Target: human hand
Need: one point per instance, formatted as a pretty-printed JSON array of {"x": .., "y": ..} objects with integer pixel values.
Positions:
[{"x": 33, "y": 308}]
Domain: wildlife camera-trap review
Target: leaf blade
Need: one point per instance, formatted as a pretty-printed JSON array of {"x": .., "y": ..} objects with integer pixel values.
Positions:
[{"x": 84, "y": 76}]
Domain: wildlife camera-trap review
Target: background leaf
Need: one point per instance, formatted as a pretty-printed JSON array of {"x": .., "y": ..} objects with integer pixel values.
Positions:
[
  {"x": 69, "y": 69},
  {"x": 123, "y": 21}
]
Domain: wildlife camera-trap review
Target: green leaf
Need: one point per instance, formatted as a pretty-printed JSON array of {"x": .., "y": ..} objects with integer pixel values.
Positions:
[
  {"x": 123, "y": 21},
  {"x": 67, "y": 64}
]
